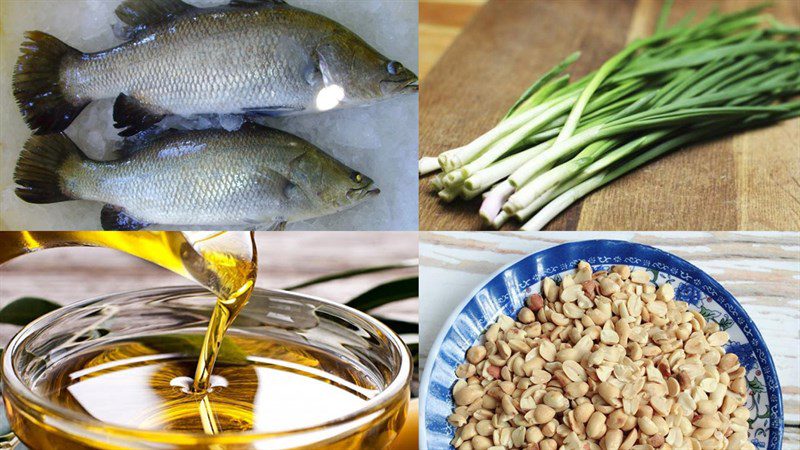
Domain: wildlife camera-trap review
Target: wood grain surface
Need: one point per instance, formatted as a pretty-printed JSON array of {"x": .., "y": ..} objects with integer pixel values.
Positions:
[
  {"x": 70, "y": 274},
  {"x": 440, "y": 22},
  {"x": 762, "y": 270},
  {"x": 745, "y": 182}
]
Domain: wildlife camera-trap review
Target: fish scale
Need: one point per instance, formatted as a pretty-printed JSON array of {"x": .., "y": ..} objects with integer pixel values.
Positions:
[
  {"x": 166, "y": 201},
  {"x": 266, "y": 57},
  {"x": 195, "y": 65},
  {"x": 244, "y": 179}
]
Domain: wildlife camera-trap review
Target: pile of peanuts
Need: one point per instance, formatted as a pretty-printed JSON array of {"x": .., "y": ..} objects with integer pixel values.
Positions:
[{"x": 605, "y": 360}]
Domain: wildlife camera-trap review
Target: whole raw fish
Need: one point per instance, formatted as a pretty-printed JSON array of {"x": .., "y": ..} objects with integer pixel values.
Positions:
[
  {"x": 253, "y": 178},
  {"x": 249, "y": 57}
]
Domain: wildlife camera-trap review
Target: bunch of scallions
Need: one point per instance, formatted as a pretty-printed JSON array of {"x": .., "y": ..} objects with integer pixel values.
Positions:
[{"x": 684, "y": 84}]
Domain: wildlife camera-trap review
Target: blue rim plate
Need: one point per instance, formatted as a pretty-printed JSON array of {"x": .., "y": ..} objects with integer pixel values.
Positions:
[{"x": 505, "y": 292}]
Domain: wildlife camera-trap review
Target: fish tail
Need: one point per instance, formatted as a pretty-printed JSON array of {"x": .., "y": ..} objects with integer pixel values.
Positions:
[
  {"x": 39, "y": 166},
  {"x": 37, "y": 84}
]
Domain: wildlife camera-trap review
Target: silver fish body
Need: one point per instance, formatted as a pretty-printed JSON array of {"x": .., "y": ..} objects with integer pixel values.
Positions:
[
  {"x": 226, "y": 62},
  {"x": 245, "y": 179},
  {"x": 250, "y": 57}
]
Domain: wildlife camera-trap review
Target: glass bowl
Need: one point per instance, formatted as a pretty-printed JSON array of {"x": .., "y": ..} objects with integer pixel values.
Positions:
[{"x": 368, "y": 347}]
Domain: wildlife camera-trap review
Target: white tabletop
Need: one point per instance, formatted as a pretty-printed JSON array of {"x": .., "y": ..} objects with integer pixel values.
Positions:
[{"x": 762, "y": 270}]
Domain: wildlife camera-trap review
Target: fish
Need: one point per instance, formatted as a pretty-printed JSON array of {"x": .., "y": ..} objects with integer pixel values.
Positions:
[
  {"x": 249, "y": 57},
  {"x": 252, "y": 178}
]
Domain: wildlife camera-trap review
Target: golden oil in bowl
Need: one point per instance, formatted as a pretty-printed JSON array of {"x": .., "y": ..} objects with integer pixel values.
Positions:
[
  {"x": 140, "y": 370},
  {"x": 143, "y": 384},
  {"x": 293, "y": 372}
]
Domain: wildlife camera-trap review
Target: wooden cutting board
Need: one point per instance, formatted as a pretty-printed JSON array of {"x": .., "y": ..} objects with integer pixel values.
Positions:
[{"x": 750, "y": 181}]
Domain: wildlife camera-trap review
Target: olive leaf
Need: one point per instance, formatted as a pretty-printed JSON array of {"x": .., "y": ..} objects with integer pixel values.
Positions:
[
  {"x": 380, "y": 295},
  {"x": 352, "y": 273},
  {"x": 386, "y": 293},
  {"x": 26, "y": 309},
  {"x": 414, "y": 348},
  {"x": 400, "y": 326},
  {"x": 229, "y": 352}
]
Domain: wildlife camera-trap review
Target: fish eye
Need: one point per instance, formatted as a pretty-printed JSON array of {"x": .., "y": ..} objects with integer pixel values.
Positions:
[
  {"x": 393, "y": 67},
  {"x": 355, "y": 176}
]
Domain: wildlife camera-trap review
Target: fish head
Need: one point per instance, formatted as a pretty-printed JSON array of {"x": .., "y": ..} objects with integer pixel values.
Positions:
[
  {"x": 328, "y": 184},
  {"x": 355, "y": 74}
]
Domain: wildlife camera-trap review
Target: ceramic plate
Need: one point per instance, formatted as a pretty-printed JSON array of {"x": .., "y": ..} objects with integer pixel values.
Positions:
[{"x": 505, "y": 293}]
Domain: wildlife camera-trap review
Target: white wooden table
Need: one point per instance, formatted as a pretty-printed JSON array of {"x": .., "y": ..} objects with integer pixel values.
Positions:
[{"x": 762, "y": 270}]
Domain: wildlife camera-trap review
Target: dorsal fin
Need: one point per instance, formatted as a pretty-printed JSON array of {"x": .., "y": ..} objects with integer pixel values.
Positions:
[
  {"x": 117, "y": 219},
  {"x": 252, "y": 3},
  {"x": 140, "y": 14},
  {"x": 133, "y": 116}
]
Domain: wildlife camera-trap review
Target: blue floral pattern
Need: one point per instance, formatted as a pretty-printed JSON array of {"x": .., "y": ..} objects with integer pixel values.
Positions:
[
  {"x": 505, "y": 293},
  {"x": 745, "y": 353},
  {"x": 689, "y": 294}
]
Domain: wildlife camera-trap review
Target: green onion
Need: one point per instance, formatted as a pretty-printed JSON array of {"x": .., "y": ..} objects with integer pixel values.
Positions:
[{"x": 561, "y": 140}]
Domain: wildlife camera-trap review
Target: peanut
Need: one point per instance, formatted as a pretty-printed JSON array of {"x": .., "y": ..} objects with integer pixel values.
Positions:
[{"x": 612, "y": 361}]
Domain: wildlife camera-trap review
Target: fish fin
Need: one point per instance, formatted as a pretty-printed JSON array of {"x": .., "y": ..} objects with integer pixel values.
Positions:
[
  {"x": 37, "y": 84},
  {"x": 312, "y": 73},
  {"x": 37, "y": 170},
  {"x": 133, "y": 116},
  {"x": 137, "y": 15},
  {"x": 276, "y": 225},
  {"x": 288, "y": 189},
  {"x": 272, "y": 111},
  {"x": 132, "y": 144},
  {"x": 116, "y": 218},
  {"x": 253, "y": 3}
]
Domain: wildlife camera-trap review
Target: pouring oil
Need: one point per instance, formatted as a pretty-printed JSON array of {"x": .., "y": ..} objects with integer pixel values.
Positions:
[
  {"x": 224, "y": 263},
  {"x": 194, "y": 383}
]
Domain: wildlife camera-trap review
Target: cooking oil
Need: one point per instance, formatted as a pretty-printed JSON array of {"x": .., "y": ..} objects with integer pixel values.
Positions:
[
  {"x": 259, "y": 385},
  {"x": 175, "y": 388},
  {"x": 224, "y": 263}
]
